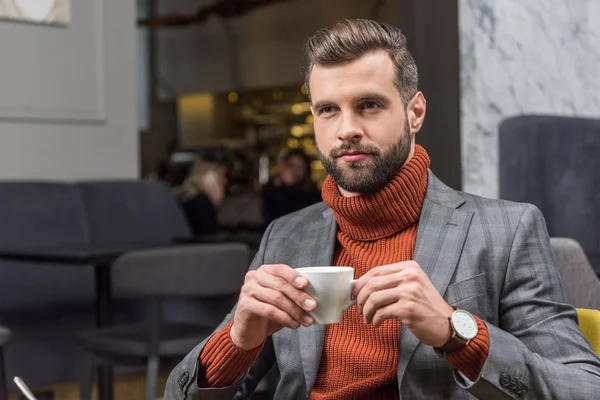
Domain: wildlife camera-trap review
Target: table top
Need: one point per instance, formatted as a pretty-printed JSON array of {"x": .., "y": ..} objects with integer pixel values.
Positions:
[{"x": 97, "y": 253}]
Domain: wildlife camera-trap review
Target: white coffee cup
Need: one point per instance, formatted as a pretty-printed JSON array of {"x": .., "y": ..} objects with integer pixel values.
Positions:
[{"x": 331, "y": 287}]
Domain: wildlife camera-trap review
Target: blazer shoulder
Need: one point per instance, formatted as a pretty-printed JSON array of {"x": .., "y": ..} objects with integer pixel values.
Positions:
[
  {"x": 297, "y": 220},
  {"x": 479, "y": 204},
  {"x": 440, "y": 193},
  {"x": 495, "y": 213}
]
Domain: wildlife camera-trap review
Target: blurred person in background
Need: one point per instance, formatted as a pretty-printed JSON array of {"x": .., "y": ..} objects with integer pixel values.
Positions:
[
  {"x": 201, "y": 194},
  {"x": 292, "y": 188}
]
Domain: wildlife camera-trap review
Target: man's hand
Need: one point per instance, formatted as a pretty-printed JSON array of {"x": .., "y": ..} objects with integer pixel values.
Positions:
[
  {"x": 402, "y": 291},
  {"x": 271, "y": 298}
]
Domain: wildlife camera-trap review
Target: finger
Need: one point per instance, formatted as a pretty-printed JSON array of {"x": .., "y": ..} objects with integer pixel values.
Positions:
[
  {"x": 272, "y": 313},
  {"x": 408, "y": 271},
  {"x": 286, "y": 272},
  {"x": 378, "y": 300},
  {"x": 376, "y": 284},
  {"x": 382, "y": 270},
  {"x": 280, "y": 284},
  {"x": 282, "y": 302},
  {"x": 391, "y": 311}
]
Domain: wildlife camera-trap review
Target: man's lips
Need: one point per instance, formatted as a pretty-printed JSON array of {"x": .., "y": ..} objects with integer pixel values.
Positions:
[{"x": 353, "y": 156}]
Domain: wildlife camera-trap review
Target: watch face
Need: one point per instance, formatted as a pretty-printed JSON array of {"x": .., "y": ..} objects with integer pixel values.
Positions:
[{"x": 464, "y": 324}]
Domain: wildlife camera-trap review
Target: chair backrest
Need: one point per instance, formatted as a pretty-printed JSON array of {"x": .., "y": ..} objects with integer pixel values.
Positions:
[
  {"x": 132, "y": 211},
  {"x": 589, "y": 323},
  {"x": 582, "y": 285},
  {"x": 553, "y": 162},
  {"x": 40, "y": 214},
  {"x": 207, "y": 270}
]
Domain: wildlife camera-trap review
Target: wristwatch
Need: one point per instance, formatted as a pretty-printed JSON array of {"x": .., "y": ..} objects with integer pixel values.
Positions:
[{"x": 464, "y": 329}]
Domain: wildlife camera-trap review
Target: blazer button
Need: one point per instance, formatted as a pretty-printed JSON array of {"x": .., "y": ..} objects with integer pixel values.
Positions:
[
  {"x": 524, "y": 389},
  {"x": 183, "y": 379},
  {"x": 504, "y": 380},
  {"x": 514, "y": 384}
]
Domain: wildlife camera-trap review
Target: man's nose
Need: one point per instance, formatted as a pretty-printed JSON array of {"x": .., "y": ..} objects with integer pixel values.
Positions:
[{"x": 350, "y": 129}]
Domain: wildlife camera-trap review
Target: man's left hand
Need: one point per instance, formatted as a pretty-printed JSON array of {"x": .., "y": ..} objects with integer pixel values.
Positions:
[{"x": 403, "y": 291}]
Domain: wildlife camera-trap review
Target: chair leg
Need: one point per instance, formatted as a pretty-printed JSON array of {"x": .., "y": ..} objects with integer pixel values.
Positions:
[
  {"x": 3, "y": 389},
  {"x": 85, "y": 386},
  {"x": 152, "y": 376},
  {"x": 153, "y": 364}
]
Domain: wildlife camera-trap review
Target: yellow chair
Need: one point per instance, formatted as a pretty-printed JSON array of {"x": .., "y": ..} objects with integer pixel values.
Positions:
[{"x": 589, "y": 323}]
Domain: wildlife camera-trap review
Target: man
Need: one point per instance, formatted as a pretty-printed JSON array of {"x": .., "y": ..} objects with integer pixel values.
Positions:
[{"x": 457, "y": 296}]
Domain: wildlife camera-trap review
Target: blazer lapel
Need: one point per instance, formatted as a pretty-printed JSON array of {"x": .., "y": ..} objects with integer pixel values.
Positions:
[
  {"x": 441, "y": 235},
  {"x": 316, "y": 249}
]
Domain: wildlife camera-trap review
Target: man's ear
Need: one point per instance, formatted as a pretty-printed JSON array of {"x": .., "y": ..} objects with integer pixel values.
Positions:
[{"x": 415, "y": 112}]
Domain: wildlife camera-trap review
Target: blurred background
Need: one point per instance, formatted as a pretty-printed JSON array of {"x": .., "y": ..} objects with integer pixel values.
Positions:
[{"x": 155, "y": 128}]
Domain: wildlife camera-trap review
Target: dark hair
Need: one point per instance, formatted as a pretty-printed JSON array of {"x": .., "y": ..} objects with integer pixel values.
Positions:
[{"x": 350, "y": 39}]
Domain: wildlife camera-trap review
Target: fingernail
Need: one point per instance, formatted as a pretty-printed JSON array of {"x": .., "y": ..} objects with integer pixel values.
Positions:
[
  {"x": 296, "y": 325},
  {"x": 310, "y": 304},
  {"x": 300, "y": 282},
  {"x": 307, "y": 321}
]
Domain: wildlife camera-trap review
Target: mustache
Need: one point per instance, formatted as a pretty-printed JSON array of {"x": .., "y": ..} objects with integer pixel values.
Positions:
[{"x": 353, "y": 147}]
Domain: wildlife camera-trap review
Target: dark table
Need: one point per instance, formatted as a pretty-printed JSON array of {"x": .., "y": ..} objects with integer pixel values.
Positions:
[{"x": 100, "y": 256}]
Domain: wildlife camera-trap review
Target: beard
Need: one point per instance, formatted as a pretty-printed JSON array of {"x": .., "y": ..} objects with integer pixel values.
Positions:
[{"x": 371, "y": 174}]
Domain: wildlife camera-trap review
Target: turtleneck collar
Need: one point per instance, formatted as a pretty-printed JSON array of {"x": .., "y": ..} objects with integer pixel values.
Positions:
[{"x": 393, "y": 208}]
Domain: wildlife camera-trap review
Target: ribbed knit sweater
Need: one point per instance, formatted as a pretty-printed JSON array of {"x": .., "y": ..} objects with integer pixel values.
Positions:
[{"x": 358, "y": 360}]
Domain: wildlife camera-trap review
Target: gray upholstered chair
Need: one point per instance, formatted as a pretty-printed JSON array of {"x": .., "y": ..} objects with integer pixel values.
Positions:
[
  {"x": 553, "y": 162},
  {"x": 581, "y": 284},
  {"x": 41, "y": 214},
  {"x": 56, "y": 214},
  {"x": 198, "y": 271},
  {"x": 132, "y": 211}
]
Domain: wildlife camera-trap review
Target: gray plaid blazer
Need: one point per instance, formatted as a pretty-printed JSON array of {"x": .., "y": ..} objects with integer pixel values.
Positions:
[{"x": 490, "y": 257}]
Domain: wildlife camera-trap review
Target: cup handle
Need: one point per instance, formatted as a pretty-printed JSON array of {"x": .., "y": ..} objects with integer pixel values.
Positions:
[{"x": 349, "y": 302}]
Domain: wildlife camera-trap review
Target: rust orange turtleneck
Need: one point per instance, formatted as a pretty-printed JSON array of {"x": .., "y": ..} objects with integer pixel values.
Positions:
[{"x": 358, "y": 360}]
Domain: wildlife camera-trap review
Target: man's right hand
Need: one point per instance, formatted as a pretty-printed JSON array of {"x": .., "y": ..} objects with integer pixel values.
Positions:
[{"x": 271, "y": 298}]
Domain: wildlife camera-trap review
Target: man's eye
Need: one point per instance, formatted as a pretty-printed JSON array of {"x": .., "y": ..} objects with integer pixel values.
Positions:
[
  {"x": 370, "y": 105},
  {"x": 326, "y": 110}
]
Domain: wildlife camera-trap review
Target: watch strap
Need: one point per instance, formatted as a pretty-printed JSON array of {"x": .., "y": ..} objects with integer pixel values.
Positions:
[{"x": 453, "y": 344}]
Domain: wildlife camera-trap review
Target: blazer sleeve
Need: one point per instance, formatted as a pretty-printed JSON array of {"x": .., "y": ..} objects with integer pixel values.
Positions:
[
  {"x": 537, "y": 351},
  {"x": 182, "y": 382}
]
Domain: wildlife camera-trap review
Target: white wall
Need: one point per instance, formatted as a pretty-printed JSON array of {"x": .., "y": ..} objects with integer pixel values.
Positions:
[
  {"x": 68, "y": 95},
  {"x": 198, "y": 58},
  {"x": 522, "y": 57}
]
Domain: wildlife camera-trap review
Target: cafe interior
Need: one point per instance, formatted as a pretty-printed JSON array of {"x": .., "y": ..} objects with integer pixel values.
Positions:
[{"x": 146, "y": 145}]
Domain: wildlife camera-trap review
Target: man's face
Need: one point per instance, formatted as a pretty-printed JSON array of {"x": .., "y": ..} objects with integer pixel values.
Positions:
[{"x": 362, "y": 130}]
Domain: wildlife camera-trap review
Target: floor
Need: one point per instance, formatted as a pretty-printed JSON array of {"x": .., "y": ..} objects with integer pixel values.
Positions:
[{"x": 127, "y": 387}]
